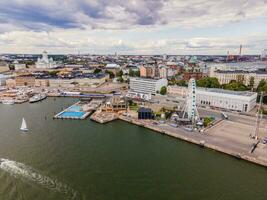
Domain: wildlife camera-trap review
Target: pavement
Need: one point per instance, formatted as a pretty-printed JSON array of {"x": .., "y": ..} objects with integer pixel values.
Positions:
[{"x": 228, "y": 137}]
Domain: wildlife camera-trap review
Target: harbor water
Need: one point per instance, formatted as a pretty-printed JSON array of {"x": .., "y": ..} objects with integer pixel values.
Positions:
[{"x": 80, "y": 159}]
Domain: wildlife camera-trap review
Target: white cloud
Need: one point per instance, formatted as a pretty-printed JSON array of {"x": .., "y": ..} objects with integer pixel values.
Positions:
[{"x": 106, "y": 26}]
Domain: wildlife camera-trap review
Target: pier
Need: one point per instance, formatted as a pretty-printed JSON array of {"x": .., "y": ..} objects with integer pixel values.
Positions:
[
  {"x": 205, "y": 140},
  {"x": 104, "y": 117}
]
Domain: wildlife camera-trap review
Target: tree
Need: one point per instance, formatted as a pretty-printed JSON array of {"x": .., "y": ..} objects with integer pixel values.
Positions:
[
  {"x": 208, "y": 82},
  {"x": 137, "y": 73},
  {"x": 261, "y": 85},
  {"x": 207, "y": 121},
  {"x": 131, "y": 72},
  {"x": 53, "y": 73},
  {"x": 120, "y": 79},
  {"x": 111, "y": 74},
  {"x": 119, "y": 73},
  {"x": 181, "y": 83},
  {"x": 234, "y": 85},
  {"x": 163, "y": 90},
  {"x": 96, "y": 71},
  {"x": 251, "y": 82}
]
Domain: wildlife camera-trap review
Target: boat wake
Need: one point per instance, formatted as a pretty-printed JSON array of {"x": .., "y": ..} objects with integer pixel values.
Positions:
[{"x": 20, "y": 170}]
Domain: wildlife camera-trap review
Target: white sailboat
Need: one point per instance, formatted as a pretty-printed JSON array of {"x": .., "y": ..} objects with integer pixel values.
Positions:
[{"x": 23, "y": 125}]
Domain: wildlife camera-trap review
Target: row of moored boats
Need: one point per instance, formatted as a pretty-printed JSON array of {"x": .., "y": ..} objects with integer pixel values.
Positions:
[{"x": 33, "y": 99}]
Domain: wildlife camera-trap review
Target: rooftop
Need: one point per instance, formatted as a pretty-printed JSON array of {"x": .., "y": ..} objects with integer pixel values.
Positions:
[{"x": 231, "y": 92}]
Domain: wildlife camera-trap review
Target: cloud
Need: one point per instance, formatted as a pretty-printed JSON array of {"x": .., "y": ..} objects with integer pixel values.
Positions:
[
  {"x": 106, "y": 26},
  {"x": 116, "y": 14},
  {"x": 66, "y": 42}
]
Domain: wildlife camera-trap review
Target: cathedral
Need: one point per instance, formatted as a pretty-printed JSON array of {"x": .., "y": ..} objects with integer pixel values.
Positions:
[{"x": 45, "y": 62}]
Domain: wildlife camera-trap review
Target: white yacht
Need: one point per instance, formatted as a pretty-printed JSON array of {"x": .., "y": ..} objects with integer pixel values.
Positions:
[
  {"x": 37, "y": 97},
  {"x": 8, "y": 101}
]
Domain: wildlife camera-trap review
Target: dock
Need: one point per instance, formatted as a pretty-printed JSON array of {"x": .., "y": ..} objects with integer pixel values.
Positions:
[
  {"x": 103, "y": 117},
  {"x": 202, "y": 140}
]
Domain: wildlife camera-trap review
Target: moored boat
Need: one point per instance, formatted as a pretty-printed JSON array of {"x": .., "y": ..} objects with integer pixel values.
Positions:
[
  {"x": 8, "y": 101},
  {"x": 37, "y": 97}
]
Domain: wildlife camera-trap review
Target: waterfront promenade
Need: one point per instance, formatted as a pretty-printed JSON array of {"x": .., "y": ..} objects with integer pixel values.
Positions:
[{"x": 220, "y": 142}]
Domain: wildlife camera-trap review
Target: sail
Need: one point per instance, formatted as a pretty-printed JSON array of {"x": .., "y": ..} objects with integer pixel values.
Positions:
[{"x": 23, "y": 125}]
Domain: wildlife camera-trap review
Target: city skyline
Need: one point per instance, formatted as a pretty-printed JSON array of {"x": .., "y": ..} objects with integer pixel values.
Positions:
[{"x": 133, "y": 27}]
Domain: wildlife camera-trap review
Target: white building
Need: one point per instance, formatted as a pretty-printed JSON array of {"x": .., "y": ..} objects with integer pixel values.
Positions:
[
  {"x": 113, "y": 66},
  {"x": 146, "y": 85},
  {"x": 19, "y": 66},
  {"x": 231, "y": 100},
  {"x": 264, "y": 54},
  {"x": 45, "y": 62},
  {"x": 243, "y": 101},
  {"x": 225, "y": 76},
  {"x": 2, "y": 80}
]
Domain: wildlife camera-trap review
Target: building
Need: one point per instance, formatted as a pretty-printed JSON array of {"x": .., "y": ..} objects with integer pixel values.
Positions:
[
  {"x": 190, "y": 74},
  {"x": 92, "y": 80},
  {"x": 245, "y": 77},
  {"x": 26, "y": 80},
  {"x": 19, "y": 66},
  {"x": 163, "y": 72},
  {"x": 146, "y": 85},
  {"x": 264, "y": 54},
  {"x": 10, "y": 83},
  {"x": 177, "y": 91},
  {"x": 2, "y": 80},
  {"x": 242, "y": 101},
  {"x": 147, "y": 72},
  {"x": 145, "y": 113},
  {"x": 45, "y": 62},
  {"x": 41, "y": 82},
  {"x": 114, "y": 68},
  {"x": 115, "y": 104}
]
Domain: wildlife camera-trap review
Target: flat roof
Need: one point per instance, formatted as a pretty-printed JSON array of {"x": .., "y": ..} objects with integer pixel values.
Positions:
[
  {"x": 144, "y": 79},
  {"x": 231, "y": 92}
]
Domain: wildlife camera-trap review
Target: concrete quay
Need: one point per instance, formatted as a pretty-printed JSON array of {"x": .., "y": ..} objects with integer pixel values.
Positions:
[
  {"x": 226, "y": 145},
  {"x": 103, "y": 117}
]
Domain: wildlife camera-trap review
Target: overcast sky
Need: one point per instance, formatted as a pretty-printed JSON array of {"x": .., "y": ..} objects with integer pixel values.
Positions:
[{"x": 133, "y": 27}]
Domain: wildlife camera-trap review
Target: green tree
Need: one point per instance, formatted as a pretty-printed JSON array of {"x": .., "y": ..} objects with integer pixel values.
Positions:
[
  {"x": 208, "y": 82},
  {"x": 163, "y": 90},
  {"x": 260, "y": 86},
  {"x": 119, "y": 73},
  {"x": 181, "y": 82},
  {"x": 251, "y": 82},
  {"x": 207, "y": 121},
  {"x": 131, "y": 72},
  {"x": 236, "y": 86},
  {"x": 111, "y": 74},
  {"x": 120, "y": 79},
  {"x": 53, "y": 73},
  {"x": 137, "y": 73},
  {"x": 97, "y": 70}
]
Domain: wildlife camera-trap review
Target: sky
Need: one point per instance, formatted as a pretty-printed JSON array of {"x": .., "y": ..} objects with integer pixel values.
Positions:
[{"x": 183, "y": 27}]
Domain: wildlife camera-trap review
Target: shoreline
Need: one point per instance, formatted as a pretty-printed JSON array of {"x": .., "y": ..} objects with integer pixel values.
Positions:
[{"x": 200, "y": 142}]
